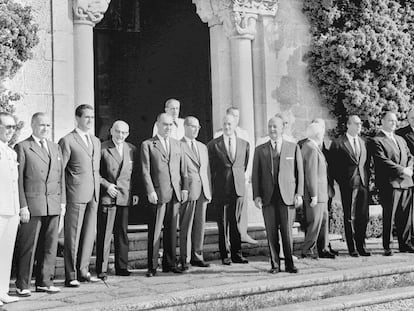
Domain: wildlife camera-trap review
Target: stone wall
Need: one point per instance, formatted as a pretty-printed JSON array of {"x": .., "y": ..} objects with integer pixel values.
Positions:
[{"x": 46, "y": 81}]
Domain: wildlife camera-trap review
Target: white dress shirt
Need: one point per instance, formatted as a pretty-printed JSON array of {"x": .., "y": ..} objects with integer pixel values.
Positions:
[
  {"x": 231, "y": 151},
  {"x": 165, "y": 143},
  {"x": 278, "y": 143},
  {"x": 37, "y": 140},
  {"x": 83, "y": 135},
  {"x": 351, "y": 140}
]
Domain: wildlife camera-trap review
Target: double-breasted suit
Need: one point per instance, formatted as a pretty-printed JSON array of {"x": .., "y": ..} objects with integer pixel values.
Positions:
[
  {"x": 9, "y": 212},
  {"x": 42, "y": 191},
  {"x": 276, "y": 179},
  {"x": 352, "y": 174},
  {"x": 113, "y": 212},
  {"x": 395, "y": 188},
  {"x": 164, "y": 172},
  {"x": 193, "y": 212},
  {"x": 316, "y": 185},
  {"x": 81, "y": 163},
  {"x": 228, "y": 182}
]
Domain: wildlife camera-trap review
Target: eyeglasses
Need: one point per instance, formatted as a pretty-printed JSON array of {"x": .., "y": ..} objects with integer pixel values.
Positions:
[{"x": 9, "y": 127}]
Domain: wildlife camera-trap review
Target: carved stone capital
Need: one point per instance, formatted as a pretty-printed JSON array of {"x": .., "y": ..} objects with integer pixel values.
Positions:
[
  {"x": 237, "y": 16},
  {"x": 89, "y": 11}
]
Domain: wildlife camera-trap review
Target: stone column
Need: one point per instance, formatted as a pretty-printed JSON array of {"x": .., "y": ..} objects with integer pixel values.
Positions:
[{"x": 86, "y": 14}]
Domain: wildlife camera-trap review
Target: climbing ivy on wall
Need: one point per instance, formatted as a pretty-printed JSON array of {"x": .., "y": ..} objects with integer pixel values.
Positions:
[{"x": 362, "y": 57}]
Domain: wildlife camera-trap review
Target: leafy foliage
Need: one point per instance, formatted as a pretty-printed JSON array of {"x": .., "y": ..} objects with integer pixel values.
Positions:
[{"x": 361, "y": 56}]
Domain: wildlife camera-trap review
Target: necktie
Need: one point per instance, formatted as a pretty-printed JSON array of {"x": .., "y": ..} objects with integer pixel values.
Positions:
[
  {"x": 167, "y": 149},
  {"x": 193, "y": 147},
  {"x": 175, "y": 123},
  {"x": 231, "y": 152},
  {"x": 43, "y": 145},
  {"x": 88, "y": 143},
  {"x": 356, "y": 148}
]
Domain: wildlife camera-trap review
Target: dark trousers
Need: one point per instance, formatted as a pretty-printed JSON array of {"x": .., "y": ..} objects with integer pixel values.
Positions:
[
  {"x": 163, "y": 214},
  {"x": 356, "y": 214},
  {"x": 278, "y": 216},
  {"x": 80, "y": 232},
  {"x": 227, "y": 218},
  {"x": 37, "y": 241},
  {"x": 112, "y": 219},
  {"x": 316, "y": 235},
  {"x": 397, "y": 205}
]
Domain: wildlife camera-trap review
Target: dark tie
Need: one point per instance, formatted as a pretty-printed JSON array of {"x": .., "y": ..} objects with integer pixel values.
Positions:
[
  {"x": 193, "y": 147},
  {"x": 44, "y": 148},
  {"x": 175, "y": 123},
  {"x": 356, "y": 148}
]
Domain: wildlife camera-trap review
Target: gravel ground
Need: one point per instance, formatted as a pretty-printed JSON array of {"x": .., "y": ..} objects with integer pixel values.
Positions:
[{"x": 401, "y": 305}]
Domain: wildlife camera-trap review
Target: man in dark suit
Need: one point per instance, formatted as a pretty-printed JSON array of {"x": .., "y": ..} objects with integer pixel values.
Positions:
[
  {"x": 351, "y": 159},
  {"x": 42, "y": 199},
  {"x": 315, "y": 195},
  {"x": 277, "y": 181},
  {"x": 228, "y": 156},
  {"x": 193, "y": 212},
  {"x": 81, "y": 152},
  {"x": 165, "y": 178},
  {"x": 118, "y": 160},
  {"x": 393, "y": 177}
]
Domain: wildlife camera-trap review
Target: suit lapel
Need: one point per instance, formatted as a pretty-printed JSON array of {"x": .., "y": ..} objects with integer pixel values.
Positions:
[
  {"x": 190, "y": 152},
  {"x": 38, "y": 150},
  {"x": 158, "y": 145},
  {"x": 114, "y": 152},
  {"x": 392, "y": 147},
  {"x": 348, "y": 148},
  {"x": 268, "y": 156},
  {"x": 222, "y": 147},
  {"x": 363, "y": 156},
  {"x": 125, "y": 158},
  {"x": 80, "y": 141}
]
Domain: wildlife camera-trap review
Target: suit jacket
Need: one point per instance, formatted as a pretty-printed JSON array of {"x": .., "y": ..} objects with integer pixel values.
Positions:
[
  {"x": 408, "y": 134},
  {"x": 81, "y": 168},
  {"x": 224, "y": 172},
  {"x": 41, "y": 178},
  {"x": 346, "y": 164},
  {"x": 118, "y": 171},
  {"x": 290, "y": 178},
  {"x": 390, "y": 162},
  {"x": 315, "y": 172},
  {"x": 162, "y": 174},
  {"x": 9, "y": 189},
  {"x": 198, "y": 171}
]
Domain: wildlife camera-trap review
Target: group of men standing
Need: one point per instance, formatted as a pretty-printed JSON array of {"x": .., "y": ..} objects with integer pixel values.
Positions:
[{"x": 85, "y": 188}]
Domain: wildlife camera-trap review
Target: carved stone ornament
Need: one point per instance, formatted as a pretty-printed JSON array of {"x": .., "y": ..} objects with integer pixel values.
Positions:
[
  {"x": 237, "y": 16},
  {"x": 89, "y": 10}
]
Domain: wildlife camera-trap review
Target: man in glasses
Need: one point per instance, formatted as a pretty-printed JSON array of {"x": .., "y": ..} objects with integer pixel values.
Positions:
[
  {"x": 118, "y": 163},
  {"x": 42, "y": 199},
  {"x": 9, "y": 204}
]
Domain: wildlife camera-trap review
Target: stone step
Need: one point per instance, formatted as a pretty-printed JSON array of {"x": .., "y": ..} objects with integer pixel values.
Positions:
[{"x": 358, "y": 301}]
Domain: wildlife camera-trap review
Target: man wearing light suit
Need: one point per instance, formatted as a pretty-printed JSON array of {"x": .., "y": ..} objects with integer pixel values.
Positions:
[
  {"x": 165, "y": 179},
  {"x": 118, "y": 160},
  {"x": 9, "y": 204},
  {"x": 277, "y": 181},
  {"x": 315, "y": 195},
  {"x": 228, "y": 156},
  {"x": 42, "y": 200},
  {"x": 393, "y": 177},
  {"x": 193, "y": 212},
  {"x": 350, "y": 157},
  {"x": 81, "y": 153}
]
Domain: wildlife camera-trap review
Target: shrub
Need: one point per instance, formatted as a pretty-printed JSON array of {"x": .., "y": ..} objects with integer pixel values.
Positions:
[{"x": 361, "y": 57}]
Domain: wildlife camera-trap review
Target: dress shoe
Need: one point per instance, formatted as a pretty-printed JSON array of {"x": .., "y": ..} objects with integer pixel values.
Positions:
[
  {"x": 48, "y": 289},
  {"x": 226, "y": 261},
  {"x": 103, "y": 276},
  {"x": 88, "y": 278},
  {"x": 5, "y": 298},
  {"x": 172, "y": 269},
  {"x": 332, "y": 251},
  {"x": 326, "y": 254},
  {"x": 388, "y": 252},
  {"x": 407, "y": 249},
  {"x": 248, "y": 239},
  {"x": 23, "y": 292},
  {"x": 151, "y": 273},
  {"x": 274, "y": 270},
  {"x": 123, "y": 272},
  {"x": 364, "y": 253},
  {"x": 184, "y": 267},
  {"x": 72, "y": 283},
  {"x": 239, "y": 259},
  {"x": 199, "y": 263},
  {"x": 353, "y": 254},
  {"x": 292, "y": 269}
]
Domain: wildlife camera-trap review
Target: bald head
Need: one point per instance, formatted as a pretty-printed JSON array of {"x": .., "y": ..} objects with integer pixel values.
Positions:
[
  {"x": 119, "y": 131},
  {"x": 164, "y": 125}
]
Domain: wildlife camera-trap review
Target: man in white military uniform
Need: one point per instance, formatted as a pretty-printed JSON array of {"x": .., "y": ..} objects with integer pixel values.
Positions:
[
  {"x": 9, "y": 204},
  {"x": 172, "y": 108}
]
